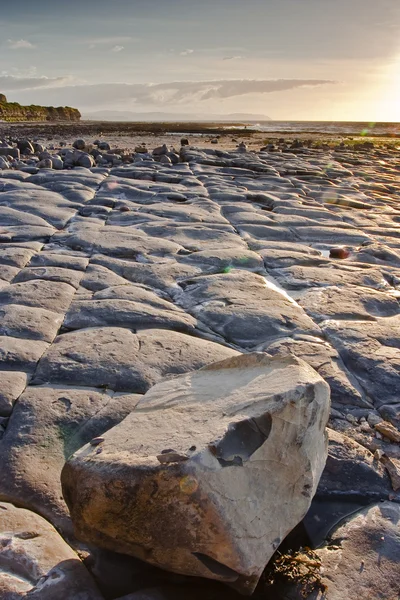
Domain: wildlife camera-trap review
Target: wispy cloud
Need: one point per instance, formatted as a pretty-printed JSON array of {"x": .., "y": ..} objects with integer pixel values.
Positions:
[
  {"x": 232, "y": 57},
  {"x": 148, "y": 94},
  {"x": 19, "y": 44},
  {"x": 117, "y": 49},
  {"x": 13, "y": 83},
  {"x": 186, "y": 52}
]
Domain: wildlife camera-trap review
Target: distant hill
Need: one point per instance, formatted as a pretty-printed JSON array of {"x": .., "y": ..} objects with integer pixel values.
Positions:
[
  {"x": 124, "y": 115},
  {"x": 12, "y": 112}
]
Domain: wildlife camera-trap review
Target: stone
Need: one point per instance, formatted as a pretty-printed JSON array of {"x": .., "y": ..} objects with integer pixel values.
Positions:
[
  {"x": 123, "y": 313},
  {"x": 339, "y": 252},
  {"x": 20, "y": 354},
  {"x": 202, "y": 446},
  {"x": 160, "y": 150},
  {"x": 50, "y": 273},
  {"x": 350, "y": 302},
  {"x": 79, "y": 144},
  {"x": 13, "y": 384},
  {"x": 47, "y": 425},
  {"x": 361, "y": 560},
  {"x": 46, "y": 163},
  {"x": 388, "y": 430},
  {"x": 345, "y": 389},
  {"x": 393, "y": 468},
  {"x": 49, "y": 295},
  {"x": 351, "y": 473},
  {"x": 35, "y": 562},
  {"x": 124, "y": 361},
  {"x": 29, "y": 323},
  {"x": 371, "y": 350},
  {"x": 298, "y": 277},
  {"x": 85, "y": 160},
  {"x": 242, "y": 308}
]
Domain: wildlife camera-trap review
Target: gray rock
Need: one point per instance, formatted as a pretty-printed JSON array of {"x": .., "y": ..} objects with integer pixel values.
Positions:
[
  {"x": 124, "y": 361},
  {"x": 79, "y": 144},
  {"x": 46, "y": 163},
  {"x": 47, "y": 425},
  {"x": 242, "y": 308},
  {"x": 203, "y": 445},
  {"x": 348, "y": 303},
  {"x": 85, "y": 160},
  {"x": 14, "y": 152},
  {"x": 13, "y": 384},
  {"x": 28, "y": 322},
  {"x": 361, "y": 560},
  {"x": 50, "y": 295},
  {"x": 345, "y": 389},
  {"x": 124, "y": 313},
  {"x": 35, "y": 562},
  {"x": 50, "y": 273},
  {"x": 371, "y": 351},
  {"x": 20, "y": 354}
]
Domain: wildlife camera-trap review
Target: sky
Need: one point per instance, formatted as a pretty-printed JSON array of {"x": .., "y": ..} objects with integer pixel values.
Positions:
[{"x": 286, "y": 59}]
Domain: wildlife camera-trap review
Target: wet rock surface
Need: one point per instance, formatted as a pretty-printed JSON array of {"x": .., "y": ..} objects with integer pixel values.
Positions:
[{"x": 115, "y": 276}]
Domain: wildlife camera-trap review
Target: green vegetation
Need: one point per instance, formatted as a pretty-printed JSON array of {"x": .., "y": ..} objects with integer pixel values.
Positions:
[{"x": 14, "y": 112}]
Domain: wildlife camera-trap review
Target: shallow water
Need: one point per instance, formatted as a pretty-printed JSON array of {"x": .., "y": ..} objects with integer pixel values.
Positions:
[{"x": 329, "y": 127}]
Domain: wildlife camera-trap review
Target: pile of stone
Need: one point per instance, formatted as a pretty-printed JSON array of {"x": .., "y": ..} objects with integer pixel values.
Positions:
[{"x": 29, "y": 156}]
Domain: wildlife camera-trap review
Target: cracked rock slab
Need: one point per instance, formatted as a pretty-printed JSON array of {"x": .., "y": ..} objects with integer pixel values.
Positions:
[
  {"x": 193, "y": 480},
  {"x": 371, "y": 350},
  {"x": 121, "y": 360},
  {"x": 242, "y": 308},
  {"x": 348, "y": 303},
  {"x": 13, "y": 384},
  {"x": 362, "y": 558},
  {"x": 36, "y": 563},
  {"x": 46, "y": 426}
]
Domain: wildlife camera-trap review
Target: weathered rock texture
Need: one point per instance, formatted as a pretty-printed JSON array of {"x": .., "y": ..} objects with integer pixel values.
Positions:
[
  {"x": 362, "y": 558},
  {"x": 36, "y": 563},
  {"x": 210, "y": 472},
  {"x": 114, "y": 277}
]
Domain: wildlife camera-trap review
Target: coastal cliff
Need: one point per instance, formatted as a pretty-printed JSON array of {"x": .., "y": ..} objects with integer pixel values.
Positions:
[{"x": 12, "y": 111}]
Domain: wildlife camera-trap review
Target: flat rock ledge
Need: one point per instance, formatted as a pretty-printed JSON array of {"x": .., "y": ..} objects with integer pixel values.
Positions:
[{"x": 210, "y": 472}]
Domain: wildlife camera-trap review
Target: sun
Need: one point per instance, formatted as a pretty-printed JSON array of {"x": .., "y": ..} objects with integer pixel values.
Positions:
[{"x": 386, "y": 96}]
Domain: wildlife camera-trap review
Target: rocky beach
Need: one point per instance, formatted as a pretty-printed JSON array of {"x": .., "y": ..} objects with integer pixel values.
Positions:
[{"x": 199, "y": 364}]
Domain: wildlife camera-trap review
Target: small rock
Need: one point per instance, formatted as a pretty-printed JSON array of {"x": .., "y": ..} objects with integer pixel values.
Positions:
[
  {"x": 160, "y": 150},
  {"x": 392, "y": 466},
  {"x": 373, "y": 419},
  {"x": 388, "y": 430},
  {"x": 184, "y": 142},
  {"x": 79, "y": 144},
  {"x": 339, "y": 253},
  {"x": 46, "y": 163}
]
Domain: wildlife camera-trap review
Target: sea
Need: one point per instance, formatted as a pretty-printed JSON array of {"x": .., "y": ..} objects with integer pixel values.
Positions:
[{"x": 328, "y": 127}]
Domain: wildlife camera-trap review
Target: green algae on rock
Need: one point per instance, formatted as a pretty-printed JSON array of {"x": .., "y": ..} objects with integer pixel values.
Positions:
[{"x": 12, "y": 111}]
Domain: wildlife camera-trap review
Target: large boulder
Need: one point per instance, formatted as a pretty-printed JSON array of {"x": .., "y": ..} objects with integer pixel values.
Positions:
[{"x": 211, "y": 470}]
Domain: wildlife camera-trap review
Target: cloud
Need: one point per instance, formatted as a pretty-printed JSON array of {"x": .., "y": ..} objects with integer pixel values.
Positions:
[
  {"x": 110, "y": 40},
  {"x": 19, "y": 44},
  {"x": 10, "y": 83},
  {"x": 186, "y": 52},
  {"x": 232, "y": 57},
  {"x": 117, "y": 49},
  {"x": 171, "y": 93}
]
